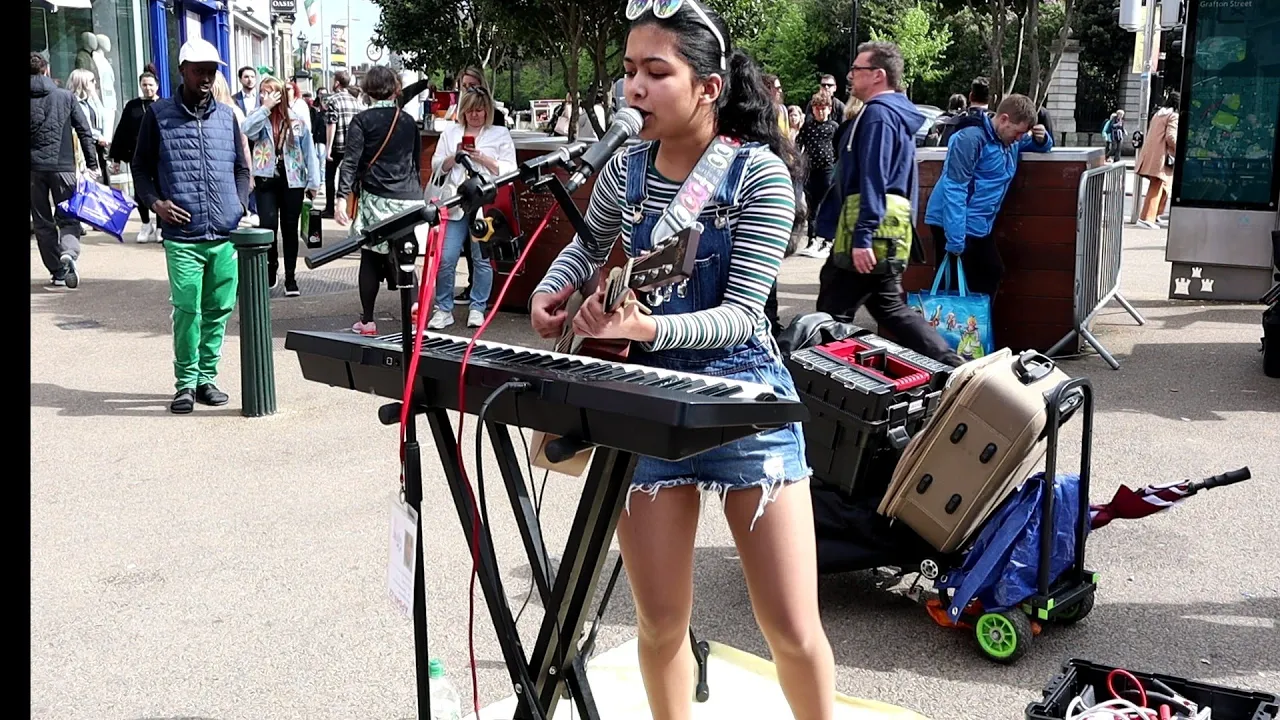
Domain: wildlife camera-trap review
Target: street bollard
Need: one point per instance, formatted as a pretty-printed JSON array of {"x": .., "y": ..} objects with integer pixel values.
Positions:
[{"x": 257, "y": 364}]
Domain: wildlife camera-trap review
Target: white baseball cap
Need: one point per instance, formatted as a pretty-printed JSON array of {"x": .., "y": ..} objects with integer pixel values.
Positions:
[{"x": 199, "y": 50}]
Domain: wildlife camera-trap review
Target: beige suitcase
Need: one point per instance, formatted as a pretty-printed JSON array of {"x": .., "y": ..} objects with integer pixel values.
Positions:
[{"x": 985, "y": 438}]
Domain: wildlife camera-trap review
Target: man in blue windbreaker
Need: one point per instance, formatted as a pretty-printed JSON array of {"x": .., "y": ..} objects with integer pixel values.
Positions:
[
  {"x": 869, "y": 209},
  {"x": 190, "y": 169},
  {"x": 982, "y": 157}
]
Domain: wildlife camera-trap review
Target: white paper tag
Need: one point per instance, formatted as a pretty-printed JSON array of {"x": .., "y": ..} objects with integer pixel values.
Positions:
[{"x": 402, "y": 557}]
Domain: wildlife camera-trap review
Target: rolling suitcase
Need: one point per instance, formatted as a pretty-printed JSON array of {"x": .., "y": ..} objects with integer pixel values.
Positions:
[{"x": 985, "y": 438}]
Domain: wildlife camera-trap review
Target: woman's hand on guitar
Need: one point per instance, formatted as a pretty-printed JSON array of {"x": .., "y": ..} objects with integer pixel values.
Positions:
[
  {"x": 628, "y": 322},
  {"x": 547, "y": 313}
]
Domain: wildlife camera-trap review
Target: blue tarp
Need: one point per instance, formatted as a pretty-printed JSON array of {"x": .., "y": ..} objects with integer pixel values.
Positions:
[{"x": 1001, "y": 568}]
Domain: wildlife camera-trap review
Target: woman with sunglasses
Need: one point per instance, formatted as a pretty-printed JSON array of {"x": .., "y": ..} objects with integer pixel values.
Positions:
[{"x": 692, "y": 90}]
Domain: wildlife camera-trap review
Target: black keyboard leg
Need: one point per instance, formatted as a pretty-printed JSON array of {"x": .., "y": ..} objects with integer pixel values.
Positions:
[
  {"x": 700, "y": 652},
  {"x": 574, "y": 589},
  {"x": 588, "y": 645},
  {"x": 513, "y": 654}
]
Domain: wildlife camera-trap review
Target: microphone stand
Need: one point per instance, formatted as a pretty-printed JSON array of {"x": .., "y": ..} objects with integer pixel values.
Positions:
[{"x": 398, "y": 232}]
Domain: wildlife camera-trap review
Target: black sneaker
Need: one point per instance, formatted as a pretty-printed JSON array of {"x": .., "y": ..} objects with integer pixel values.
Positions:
[
  {"x": 463, "y": 298},
  {"x": 291, "y": 288},
  {"x": 273, "y": 279},
  {"x": 72, "y": 275},
  {"x": 209, "y": 394},
  {"x": 184, "y": 401}
]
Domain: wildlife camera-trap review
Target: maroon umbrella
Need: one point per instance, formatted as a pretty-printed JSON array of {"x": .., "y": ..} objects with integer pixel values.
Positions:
[{"x": 1133, "y": 504}]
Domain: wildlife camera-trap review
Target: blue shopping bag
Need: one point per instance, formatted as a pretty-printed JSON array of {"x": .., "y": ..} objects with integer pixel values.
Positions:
[
  {"x": 99, "y": 206},
  {"x": 962, "y": 318}
]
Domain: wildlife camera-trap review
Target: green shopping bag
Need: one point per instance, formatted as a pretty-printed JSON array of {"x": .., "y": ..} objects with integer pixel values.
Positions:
[{"x": 962, "y": 318}]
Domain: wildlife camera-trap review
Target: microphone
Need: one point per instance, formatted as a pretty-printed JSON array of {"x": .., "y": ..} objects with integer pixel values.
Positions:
[{"x": 626, "y": 124}]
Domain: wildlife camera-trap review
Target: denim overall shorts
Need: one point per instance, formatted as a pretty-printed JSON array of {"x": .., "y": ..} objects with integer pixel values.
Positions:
[{"x": 767, "y": 460}]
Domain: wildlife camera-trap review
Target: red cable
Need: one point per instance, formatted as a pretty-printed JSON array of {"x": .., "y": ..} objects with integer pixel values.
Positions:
[
  {"x": 1111, "y": 676},
  {"x": 426, "y": 296}
]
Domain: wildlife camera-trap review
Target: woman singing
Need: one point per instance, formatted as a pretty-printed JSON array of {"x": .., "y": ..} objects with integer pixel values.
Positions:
[{"x": 690, "y": 87}]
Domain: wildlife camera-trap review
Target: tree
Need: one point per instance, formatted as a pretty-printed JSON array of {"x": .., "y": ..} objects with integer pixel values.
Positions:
[
  {"x": 571, "y": 31},
  {"x": 448, "y": 34},
  {"x": 921, "y": 41},
  {"x": 787, "y": 47}
]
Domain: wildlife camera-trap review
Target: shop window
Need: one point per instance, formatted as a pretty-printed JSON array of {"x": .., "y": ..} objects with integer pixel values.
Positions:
[{"x": 100, "y": 39}]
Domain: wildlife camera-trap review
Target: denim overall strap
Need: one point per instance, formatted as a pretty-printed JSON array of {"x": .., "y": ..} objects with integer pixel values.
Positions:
[
  {"x": 706, "y": 288},
  {"x": 637, "y": 167}
]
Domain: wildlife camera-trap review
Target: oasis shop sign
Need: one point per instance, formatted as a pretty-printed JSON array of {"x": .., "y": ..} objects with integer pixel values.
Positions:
[{"x": 284, "y": 7}]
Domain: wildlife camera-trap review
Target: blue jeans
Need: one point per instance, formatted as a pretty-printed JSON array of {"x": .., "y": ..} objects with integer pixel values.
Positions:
[{"x": 482, "y": 282}]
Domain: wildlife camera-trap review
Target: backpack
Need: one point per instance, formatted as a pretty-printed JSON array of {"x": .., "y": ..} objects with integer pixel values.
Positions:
[{"x": 945, "y": 128}]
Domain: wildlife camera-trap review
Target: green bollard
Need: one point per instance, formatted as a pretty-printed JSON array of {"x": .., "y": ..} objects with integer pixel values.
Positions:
[{"x": 257, "y": 363}]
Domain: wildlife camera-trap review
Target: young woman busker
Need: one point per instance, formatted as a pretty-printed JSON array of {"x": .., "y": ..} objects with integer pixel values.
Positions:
[{"x": 699, "y": 97}]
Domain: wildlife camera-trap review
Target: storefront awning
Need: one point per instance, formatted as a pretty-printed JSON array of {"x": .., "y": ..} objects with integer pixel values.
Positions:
[{"x": 53, "y": 5}]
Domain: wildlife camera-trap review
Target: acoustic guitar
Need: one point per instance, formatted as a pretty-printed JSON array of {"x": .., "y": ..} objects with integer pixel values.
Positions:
[{"x": 664, "y": 270}]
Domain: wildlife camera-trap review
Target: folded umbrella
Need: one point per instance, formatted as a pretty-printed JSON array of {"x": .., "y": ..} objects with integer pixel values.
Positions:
[{"x": 1131, "y": 504}]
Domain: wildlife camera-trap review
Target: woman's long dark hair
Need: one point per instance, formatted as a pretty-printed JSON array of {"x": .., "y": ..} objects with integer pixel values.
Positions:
[{"x": 745, "y": 108}]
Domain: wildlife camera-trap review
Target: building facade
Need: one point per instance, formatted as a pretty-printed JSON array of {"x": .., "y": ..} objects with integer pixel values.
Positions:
[
  {"x": 173, "y": 22},
  {"x": 251, "y": 35},
  {"x": 106, "y": 37}
]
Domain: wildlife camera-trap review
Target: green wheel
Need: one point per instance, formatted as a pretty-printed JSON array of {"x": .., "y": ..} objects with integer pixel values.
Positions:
[
  {"x": 1004, "y": 636},
  {"x": 1077, "y": 612}
]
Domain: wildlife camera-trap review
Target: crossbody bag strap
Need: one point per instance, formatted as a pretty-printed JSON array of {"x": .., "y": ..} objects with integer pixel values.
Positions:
[
  {"x": 390, "y": 131},
  {"x": 698, "y": 188}
]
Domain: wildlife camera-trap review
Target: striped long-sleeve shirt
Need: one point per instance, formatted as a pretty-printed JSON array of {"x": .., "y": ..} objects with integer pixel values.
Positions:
[{"x": 760, "y": 226}]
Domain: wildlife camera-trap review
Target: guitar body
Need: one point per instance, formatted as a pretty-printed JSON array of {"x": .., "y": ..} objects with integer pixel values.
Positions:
[{"x": 669, "y": 263}]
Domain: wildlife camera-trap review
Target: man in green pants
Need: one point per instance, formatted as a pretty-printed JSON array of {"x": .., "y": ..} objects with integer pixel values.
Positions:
[{"x": 189, "y": 169}]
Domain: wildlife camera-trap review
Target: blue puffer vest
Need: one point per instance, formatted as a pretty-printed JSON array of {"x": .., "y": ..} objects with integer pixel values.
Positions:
[{"x": 198, "y": 169}]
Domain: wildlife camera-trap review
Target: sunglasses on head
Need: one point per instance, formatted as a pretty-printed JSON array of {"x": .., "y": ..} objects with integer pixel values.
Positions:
[{"x": 664, "y": 9}]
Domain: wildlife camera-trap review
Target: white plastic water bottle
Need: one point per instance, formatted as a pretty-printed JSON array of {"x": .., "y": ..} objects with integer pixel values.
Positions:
[{"x": 446, "y": 704}]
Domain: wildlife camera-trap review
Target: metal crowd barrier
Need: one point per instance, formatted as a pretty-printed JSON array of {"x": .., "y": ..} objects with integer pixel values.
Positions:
[{"x": 1099, "y": 247}]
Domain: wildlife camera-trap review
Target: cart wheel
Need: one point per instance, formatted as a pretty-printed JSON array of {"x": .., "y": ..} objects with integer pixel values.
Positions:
[
  {"x": 1004, "y": 636},
  {"x": 1077, "y": 612}
]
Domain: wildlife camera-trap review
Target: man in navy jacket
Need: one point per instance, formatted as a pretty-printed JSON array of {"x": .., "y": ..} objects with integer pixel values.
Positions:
[
  {"x": 982, "y": 157},
  {"x": 56, "y": 125},
  {"x": 189, "y": 168},
  {"x": 877, "y": 159}
]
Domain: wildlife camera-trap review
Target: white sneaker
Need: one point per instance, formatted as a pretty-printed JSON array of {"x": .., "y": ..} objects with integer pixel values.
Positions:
[
  {"x": 440, "y": 320},
  {"x": 1147, "y": 225},
  {"x": 475, "y": 318}
]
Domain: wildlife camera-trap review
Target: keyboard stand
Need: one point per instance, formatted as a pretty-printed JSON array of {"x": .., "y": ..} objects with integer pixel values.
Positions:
[{"x": 539, "y": 679}]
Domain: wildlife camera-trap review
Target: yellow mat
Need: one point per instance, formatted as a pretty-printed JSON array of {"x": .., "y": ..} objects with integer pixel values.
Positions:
[{"x": 742, "y": 686}]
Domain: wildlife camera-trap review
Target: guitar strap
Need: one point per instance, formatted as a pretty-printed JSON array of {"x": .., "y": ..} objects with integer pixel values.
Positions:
[{"x": 698, "y": 188}]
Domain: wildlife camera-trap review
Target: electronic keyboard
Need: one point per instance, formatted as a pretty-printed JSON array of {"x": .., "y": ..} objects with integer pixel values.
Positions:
[{"x": 634, "y": 408}]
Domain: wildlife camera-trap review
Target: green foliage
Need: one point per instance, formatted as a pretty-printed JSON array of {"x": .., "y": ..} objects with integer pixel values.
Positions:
[
  {"x": 744, "y": 17},
  {"x": 450, "y": 34},
  {"x": 1106, "y": 51},
  {"x": 787, "y": 47},
  {"x": 922, "y": 43}
]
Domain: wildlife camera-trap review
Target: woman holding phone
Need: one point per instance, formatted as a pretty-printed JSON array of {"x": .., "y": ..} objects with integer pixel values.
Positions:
[
  {"x": 492, "y": 152},
  {"x": 285, "y": 168}
]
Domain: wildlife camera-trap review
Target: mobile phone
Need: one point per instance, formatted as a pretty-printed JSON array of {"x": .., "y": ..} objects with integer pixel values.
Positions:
[{"x": 468, "y": 142}]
